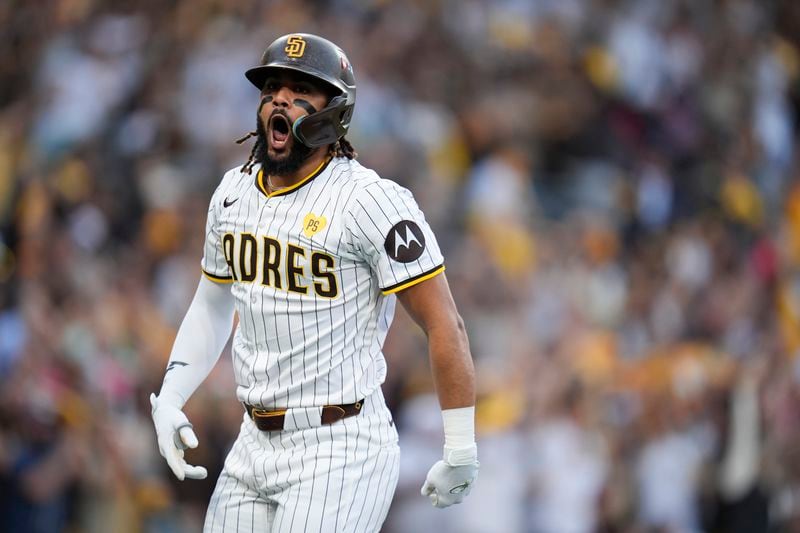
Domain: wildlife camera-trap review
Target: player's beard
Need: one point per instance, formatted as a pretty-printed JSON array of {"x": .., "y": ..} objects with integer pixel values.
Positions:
[{"x": 287, "y": 165}]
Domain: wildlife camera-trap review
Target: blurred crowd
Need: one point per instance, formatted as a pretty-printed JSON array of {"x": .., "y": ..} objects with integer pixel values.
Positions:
[{"x": 615, "y": 185}]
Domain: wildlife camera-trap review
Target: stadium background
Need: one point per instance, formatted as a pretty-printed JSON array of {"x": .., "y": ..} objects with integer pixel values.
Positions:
[{"x": 615, "y": 184}]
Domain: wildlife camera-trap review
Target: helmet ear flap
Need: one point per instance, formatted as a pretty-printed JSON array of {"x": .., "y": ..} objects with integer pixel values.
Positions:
[
  {"x": 346, "y": 115},
  {"x": 326, "y": 126},
  {"x": 298, "y": 130}
]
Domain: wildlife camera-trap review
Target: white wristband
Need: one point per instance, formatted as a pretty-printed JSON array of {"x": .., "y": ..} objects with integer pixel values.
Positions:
[{"x": 459, "y": 436}]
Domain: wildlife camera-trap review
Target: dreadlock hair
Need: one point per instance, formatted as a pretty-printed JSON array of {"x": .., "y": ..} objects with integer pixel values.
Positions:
[
  {"x": 343, "y": 148},
  {"x": 248, "y": 166}
]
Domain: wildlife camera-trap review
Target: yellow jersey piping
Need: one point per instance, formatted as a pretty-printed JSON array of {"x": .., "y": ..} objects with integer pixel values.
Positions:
[
  {"x": 413, "y": 281},
  {"x": 316, "y": 172},
  {"x": 217, "y": 279}
]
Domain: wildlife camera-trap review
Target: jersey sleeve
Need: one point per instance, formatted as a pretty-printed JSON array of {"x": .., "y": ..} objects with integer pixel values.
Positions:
[
  {"x": 214, "y": 264},
  {"x": 389, "y": 231}
]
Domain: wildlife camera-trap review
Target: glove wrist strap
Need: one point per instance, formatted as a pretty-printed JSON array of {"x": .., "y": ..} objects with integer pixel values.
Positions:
[
  {"x": 461, "y": 456},
  {"x": 170, "y": 397}
]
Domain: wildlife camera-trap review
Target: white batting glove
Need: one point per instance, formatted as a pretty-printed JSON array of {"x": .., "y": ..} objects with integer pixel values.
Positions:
[
  {"x": 175, "y": 434},
  {"x": 450, "y": 481}
]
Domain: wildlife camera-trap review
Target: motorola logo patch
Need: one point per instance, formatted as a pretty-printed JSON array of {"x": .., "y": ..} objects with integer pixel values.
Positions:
[{"x": 405, "y": 242}]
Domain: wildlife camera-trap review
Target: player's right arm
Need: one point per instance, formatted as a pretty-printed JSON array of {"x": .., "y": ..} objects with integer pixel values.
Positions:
[{"x": 201, "y": 337}]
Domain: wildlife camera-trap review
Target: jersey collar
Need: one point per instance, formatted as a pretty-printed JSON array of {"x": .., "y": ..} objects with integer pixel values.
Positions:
[{"x": 261, "y": 184}]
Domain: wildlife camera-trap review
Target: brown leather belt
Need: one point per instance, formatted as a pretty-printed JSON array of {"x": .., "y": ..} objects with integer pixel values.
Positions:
[{"x": 273, "y": 420}]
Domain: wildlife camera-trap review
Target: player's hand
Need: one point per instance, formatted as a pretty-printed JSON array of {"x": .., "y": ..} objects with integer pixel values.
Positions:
[
  {"x": 450, "y": 481},
  {"x": 175, "y": 434}
]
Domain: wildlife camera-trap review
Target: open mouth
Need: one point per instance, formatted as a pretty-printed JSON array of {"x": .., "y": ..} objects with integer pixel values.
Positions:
[{"x": 279, "y": 131}]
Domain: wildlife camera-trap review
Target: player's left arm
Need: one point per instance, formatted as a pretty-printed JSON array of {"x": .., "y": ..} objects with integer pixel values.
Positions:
[{"x": 431, "y": 305}]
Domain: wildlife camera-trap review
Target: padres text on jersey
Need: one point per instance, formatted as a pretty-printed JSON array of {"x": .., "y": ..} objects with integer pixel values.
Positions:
[{"x": 313, "y": 269}]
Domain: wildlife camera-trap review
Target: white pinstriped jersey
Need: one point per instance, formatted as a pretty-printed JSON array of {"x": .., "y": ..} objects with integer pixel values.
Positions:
[{"x": 313, "y": 269}]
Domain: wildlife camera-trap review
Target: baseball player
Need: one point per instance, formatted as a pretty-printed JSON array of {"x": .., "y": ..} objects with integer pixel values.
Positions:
[{"x": 312, "y": 250}]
